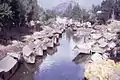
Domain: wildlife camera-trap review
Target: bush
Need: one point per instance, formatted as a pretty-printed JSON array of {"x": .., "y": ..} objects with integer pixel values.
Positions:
[
  {"x": 5, "y": 13},
  {"x": 18, "y": 12}
]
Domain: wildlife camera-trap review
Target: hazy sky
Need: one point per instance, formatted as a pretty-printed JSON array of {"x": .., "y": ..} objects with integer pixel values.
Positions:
[{"x": 48, "y": 4}]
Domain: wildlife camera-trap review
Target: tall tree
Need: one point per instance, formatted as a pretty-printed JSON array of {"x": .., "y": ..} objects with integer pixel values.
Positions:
[
  {"x": 5, "y": 12},
  {"x": 108, "y": 6},
  {"x": 76, "y": 12},
  {"x": 95, "y": 8},
  {"x": 16, "y": 12},
  {"x": 68, "y": 12},
  {"x": 84, "y": 15},
  {"x": 117, "y": 9}
]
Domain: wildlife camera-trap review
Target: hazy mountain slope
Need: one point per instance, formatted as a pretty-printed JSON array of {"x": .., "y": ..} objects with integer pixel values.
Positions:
[{"x": 62, "y": 7}]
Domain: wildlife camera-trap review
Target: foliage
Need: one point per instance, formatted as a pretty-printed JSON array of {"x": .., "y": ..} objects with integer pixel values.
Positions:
[
  {"x": 85, "y": 15},
  {"x": 68, "y": 12},
  {"x": 50, "y": 14},
  {"x": 111, "y": 7},
  {"x": 18, "y": 12},
  {"x": 95, "y": 8},
  {"x": 107, "y": 6},
  {"x": 77, "y": 13},
  {"x": 117, "y": 9},
  {"x": 5, "y": 13}
]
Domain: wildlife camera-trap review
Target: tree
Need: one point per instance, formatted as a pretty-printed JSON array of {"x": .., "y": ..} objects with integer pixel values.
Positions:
[
  {"x": 117, "y": 9},
  {"x": 107, "y": 6},
  {"x": 85, "y": 15},
  {"x": 76, "y": 12},
  {"x": 68, "y": 12},
  {"x": 17, "y": 12},
  {"x": 95, "y": 8},
  {"x": 5, "y": 12},
  {"x": 50, "y": 14}
]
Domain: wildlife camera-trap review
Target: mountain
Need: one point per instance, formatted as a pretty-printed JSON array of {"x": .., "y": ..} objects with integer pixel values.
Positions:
[{"x": 62, "y": 7}]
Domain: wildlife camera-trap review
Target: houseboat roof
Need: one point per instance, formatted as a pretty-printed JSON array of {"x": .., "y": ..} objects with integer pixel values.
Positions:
[{"x": 7, "y": 63}]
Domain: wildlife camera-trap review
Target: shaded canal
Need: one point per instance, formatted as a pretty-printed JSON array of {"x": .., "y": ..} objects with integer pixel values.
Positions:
[{"x": 60, "y": 66}]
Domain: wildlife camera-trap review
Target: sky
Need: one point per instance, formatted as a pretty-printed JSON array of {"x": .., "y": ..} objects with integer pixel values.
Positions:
[{"x": 49, "y": 4}]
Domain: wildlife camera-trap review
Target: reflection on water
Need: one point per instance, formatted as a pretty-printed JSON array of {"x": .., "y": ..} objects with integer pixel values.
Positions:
[
  {"x": 69, "y": 34},
  {"x": 60, "y": 66}
]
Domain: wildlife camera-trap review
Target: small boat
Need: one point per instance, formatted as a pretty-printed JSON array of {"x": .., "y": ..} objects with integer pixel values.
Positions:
[{"x": 8, "y": 66}]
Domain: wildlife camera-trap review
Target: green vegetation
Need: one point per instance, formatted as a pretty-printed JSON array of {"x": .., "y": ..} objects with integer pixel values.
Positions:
[
  {"x": 15, "y": 13},
  {"x": 18, "y": 12},
  {"x": 5, "y": 12},
  {"x": 77, "y": 13},
  {"x": 110, "y": 7}
]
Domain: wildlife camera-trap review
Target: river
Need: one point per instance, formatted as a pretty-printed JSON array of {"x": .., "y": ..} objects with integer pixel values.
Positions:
[{"x": 60, "y": 66}]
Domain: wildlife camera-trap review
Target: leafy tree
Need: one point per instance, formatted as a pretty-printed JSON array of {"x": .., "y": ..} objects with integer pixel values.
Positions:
[
  {"x": 85, "y": 15},
  {"x": 17, "y": 12},
  {"x": 107, "y": 6},
  {"x": 5, "y": 12},
  {"x": 95, "y": 8},
  {"x": 117, "y": 9},
  {"x": 50, "y": 14},
  {"x": 68, "y": 12},
  {"x": 76, "y": 12}
]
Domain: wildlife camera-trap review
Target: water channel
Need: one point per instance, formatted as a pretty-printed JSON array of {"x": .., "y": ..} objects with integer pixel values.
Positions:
[{"x": 60, "y": 66}]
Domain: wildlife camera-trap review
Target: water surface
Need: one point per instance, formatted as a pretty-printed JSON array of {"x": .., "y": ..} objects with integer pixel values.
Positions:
[{"x": 60, "y": 66}]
